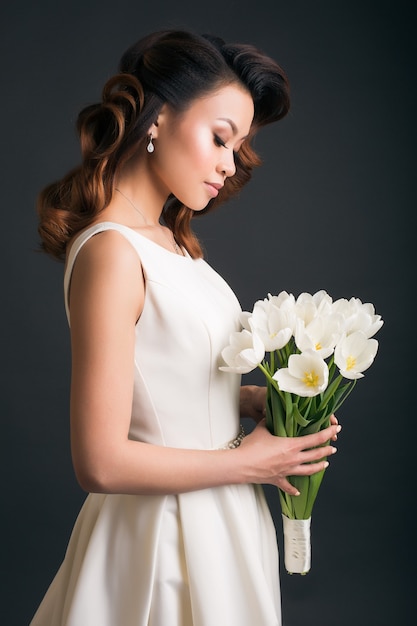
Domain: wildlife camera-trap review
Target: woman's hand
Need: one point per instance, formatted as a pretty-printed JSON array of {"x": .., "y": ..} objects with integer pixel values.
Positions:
[
  {"x": 252, "y": 402},
  {"x": 333, "y": 420},
  {"x": 270, "y": 459}
]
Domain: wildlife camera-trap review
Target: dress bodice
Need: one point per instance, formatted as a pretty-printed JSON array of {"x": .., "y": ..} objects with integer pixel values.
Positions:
[{"x": 181, "y": 398}]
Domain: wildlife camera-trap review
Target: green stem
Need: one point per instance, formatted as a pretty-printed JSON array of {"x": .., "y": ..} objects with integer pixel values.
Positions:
[
  {"x": 329, "y": 392},
  {"x": 265, "y": 371},
  {"x": 272, "y": 362}
]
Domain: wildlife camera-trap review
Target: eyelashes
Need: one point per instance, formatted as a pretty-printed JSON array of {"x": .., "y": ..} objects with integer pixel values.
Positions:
[{"x": 219, "y": 142}]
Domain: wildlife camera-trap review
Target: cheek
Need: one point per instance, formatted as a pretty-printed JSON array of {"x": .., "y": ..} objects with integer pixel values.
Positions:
[
  {"x": 183, "y": 157},
  {"x": 195, "y": 147}
]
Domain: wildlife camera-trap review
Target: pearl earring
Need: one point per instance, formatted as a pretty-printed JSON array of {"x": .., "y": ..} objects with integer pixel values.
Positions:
[{"x": 150, "y": 147}]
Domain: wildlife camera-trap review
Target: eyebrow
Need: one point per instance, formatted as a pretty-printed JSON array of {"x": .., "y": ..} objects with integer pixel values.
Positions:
[{"x": 231, "y": 124}]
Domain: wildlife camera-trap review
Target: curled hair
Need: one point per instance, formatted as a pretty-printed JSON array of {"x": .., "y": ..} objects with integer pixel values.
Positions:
[{"x": 173, "y": 67}]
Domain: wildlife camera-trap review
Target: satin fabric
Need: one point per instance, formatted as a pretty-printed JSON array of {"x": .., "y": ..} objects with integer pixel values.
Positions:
[{"x": 204, "y": 558}]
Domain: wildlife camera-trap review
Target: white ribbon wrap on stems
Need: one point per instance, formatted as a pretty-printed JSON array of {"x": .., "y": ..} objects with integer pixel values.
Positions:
[{"x": 297, "y": 545}]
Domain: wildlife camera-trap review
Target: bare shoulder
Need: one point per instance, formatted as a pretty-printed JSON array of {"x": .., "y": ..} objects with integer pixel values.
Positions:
[
  {"x": 108, "y": 248},
  {"x": 108, "y": 274}
]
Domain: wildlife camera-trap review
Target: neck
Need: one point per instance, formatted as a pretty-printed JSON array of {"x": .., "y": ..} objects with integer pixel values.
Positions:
[
  {"x": 133, "y": 205},
  {"x": 173, "y": 243},
  {"x": 137, "y": 183}
]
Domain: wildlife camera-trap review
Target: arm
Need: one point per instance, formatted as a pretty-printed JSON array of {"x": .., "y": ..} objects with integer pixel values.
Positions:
[{"x": 106, "y": 299}]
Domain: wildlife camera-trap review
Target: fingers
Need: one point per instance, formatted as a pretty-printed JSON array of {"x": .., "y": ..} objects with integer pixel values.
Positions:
[
  {"x": 286, "y": 486},
  {"x": 301, "y": 470},
  {"x": 316, "y": 454},
  {"x": 310, "y": 468},
  {"x": 306, "y": 448},
  {"x": 317, "y": 439},
  {"x": 334, "y": 421},
  {"x": 277, "y": 458}
]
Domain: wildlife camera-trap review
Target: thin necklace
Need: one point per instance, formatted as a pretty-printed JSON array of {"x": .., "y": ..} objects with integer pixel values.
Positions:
[{"x": 173, "y": 242}]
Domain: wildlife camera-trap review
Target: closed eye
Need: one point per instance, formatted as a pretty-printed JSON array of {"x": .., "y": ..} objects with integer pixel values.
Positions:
[{"x": 219, "y": 142}]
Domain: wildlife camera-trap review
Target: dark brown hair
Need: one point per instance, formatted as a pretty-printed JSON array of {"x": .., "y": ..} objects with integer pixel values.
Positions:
[{"x": 173, "y": 67}]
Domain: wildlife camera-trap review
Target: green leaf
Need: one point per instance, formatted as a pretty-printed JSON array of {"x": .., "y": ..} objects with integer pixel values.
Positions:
[
  {"x": 305, "y": 406},
  {"x": 343, "y": 393},
  {"x": 275, "y": 412},
  {"x": 269, "y": 415},
  {"x": 302, "y": 505},
  {"x": 289, "y": 423},
  {"x": 286, "y": 503},
  {"x": 330, "y": 391},
  {"x": 315, "y": 482},
  {"x": 288, "y": 403},
  {"x": 301, "y": 421},
  {"x": 320, "y": 421},
  {"x": 332, "y": 367},
  {"x": 302, "y": 483}
]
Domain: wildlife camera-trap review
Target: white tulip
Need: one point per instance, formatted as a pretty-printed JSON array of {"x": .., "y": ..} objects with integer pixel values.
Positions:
[
  {"x": 273, "y": 325},
  {"x": 245, "y": 352},
  {"x": 307, "y": 374},
  {"x": 244, "y": 320},
  {"x": 308, "y": 306},
  {"x": 358, "y": 316},
  {"x": 321, "y": 334},
  {"x": 283, "y": 301},
  {"x": 354, "y": 354}
]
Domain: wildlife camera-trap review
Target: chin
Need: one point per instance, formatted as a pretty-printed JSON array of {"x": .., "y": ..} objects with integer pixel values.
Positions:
[
  {"x": 198, "y": 207},
  {"x": 194, "y": 205},
  {"x": 201, "y": 207}
]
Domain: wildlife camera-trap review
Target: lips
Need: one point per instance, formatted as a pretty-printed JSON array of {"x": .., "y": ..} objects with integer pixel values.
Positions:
[{"x": 214, "y": 188}]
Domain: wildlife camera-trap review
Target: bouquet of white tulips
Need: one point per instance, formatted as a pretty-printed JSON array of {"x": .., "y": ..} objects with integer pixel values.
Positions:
[{"x": 311, "y": 350}]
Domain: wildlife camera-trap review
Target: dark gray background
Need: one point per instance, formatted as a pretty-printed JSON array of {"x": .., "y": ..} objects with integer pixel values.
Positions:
[{"x": 330, "y": 208}]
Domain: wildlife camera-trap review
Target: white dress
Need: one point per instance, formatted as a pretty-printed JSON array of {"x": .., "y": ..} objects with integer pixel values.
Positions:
[{"x": 205, "y": 558}]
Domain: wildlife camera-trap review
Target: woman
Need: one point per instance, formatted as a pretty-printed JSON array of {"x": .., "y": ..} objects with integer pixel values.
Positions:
[{"x": 175, "y": 530}]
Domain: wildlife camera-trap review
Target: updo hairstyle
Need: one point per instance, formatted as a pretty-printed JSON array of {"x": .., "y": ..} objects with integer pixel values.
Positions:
[{"x": 173, "y": 67}]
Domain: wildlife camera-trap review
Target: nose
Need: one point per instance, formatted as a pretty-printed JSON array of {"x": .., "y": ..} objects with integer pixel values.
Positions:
[{"x": 227, "y": 165}]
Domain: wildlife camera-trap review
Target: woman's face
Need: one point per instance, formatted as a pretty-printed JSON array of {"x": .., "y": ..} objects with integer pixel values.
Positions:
[{"x": 194, "y": 150}]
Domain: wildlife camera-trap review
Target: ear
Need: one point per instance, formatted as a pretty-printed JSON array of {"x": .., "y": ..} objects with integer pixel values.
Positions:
[{"x": 153, "y": 128}]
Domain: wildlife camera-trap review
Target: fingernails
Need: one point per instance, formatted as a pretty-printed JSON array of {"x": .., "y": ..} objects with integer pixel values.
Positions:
[
  {"x": 334, "y": 450},
  {"x": 339, "y": 428},
  {"x": 297, "y": 493},
  {"x": 326, "y": 464}
]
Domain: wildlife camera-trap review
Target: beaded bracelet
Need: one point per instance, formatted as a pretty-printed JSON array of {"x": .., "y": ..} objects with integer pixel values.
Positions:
[{"x": 235, "y": 443}]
